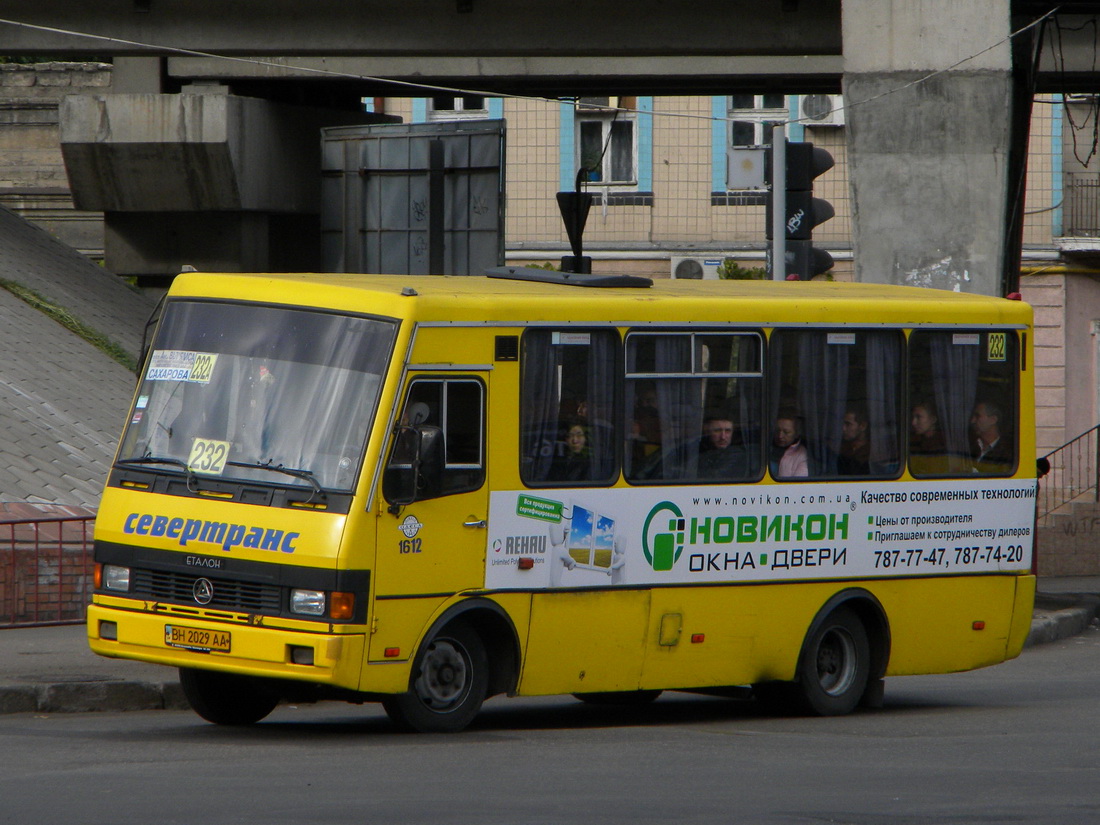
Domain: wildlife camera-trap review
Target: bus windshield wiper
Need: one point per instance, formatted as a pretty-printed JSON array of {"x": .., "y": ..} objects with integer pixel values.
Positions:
[
  {"x": 305, "y": 475},
  {"x": 159, "y": 459}
]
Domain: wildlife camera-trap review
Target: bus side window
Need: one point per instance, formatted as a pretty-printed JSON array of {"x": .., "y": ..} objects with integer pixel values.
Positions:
[
  {"x": 696, "y": 400},
  {"x": 568, "y": 407},
  {"x": 445, "y": 415},
  {"x": 845, "y": 390},
  {"x": 964, "y": 386}
]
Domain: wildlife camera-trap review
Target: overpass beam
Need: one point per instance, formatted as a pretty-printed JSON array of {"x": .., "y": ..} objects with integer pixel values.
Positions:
[
  {"x": 213, "y": 180},
  {"x": 928, "y": 93}
]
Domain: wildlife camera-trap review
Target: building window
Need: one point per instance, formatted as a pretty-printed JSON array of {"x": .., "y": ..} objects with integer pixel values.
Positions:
[
  {"x": 457, "y": 107},
  {"x": 738, "y": 169},
  {"x": 749, "y": 116},
  {"x": 607, "y": 140}
]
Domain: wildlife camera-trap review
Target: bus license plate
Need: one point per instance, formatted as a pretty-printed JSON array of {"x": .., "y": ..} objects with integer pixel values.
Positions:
[{"x": 195, "y": 638}]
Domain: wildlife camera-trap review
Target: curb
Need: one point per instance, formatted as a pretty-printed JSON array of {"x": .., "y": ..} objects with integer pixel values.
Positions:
[
  {"x": 1051, "y": 626},
  {"x": 89, "y": 696}
]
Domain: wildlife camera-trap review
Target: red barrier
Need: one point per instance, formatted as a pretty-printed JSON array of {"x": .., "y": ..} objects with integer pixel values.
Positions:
[{"x": 45, "y": 570}]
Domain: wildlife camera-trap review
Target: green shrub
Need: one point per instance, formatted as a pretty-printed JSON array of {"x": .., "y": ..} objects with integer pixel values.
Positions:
[{"x": 730, "y": 270}]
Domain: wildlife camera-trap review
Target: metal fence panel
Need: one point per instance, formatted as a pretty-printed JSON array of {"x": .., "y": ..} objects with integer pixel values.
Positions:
[
  {"x": 46, "y": 567},
  {"x": 414, "y": 199}
]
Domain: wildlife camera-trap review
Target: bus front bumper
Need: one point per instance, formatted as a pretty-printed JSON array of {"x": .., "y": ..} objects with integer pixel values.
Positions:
[{"x": 328, "y": 658}]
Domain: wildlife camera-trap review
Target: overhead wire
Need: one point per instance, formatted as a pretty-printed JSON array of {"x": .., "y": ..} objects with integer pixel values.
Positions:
[{"x": 1093, "y": 111}]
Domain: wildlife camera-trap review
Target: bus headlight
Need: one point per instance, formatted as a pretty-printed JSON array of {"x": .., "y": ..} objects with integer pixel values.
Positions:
[
  {"x": 116, "y": 577},
  {"x": 307, "y": 602}
]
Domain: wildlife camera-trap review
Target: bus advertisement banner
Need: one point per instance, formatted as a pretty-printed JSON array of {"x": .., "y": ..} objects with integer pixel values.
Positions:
[{"x": 685, "y": 535}]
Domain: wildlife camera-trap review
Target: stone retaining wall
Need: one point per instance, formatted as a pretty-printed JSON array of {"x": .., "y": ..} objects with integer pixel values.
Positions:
[{"x": 33, "y": 181}]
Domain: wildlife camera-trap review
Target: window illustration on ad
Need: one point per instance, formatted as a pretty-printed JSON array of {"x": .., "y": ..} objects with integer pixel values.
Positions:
[
  {"x": 591, "y": 539},
  {"x": 583, "y": 550}
]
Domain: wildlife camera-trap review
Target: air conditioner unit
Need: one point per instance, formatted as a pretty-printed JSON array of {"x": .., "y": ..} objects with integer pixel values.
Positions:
[
  {"x": 696, "y": 268},
  {"x": 823, "y": 110}
]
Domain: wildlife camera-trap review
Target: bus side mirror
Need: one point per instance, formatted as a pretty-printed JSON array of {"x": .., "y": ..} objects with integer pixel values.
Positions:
[{"x": 415, "y": 471}]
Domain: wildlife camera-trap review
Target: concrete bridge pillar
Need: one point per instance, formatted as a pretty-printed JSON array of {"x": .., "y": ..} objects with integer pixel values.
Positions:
[{"x": 928, "y": 96}]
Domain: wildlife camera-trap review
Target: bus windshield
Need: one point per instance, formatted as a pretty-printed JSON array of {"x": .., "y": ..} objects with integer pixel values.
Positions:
[{"x": 259, "y": 394}]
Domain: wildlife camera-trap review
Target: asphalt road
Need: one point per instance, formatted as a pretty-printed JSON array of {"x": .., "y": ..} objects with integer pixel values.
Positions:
[{"x": 1013, "y": 743}]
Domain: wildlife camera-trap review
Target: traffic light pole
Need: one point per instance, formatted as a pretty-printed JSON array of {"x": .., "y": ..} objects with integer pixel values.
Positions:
[{"x": 779, "y": 202}]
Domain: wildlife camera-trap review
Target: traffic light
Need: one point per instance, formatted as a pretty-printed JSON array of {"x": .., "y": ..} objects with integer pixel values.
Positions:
[{"x": 802, "y": 210}]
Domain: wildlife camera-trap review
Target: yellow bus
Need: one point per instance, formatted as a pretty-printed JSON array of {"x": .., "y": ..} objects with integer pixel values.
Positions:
[{"x": 425, "y": 491}]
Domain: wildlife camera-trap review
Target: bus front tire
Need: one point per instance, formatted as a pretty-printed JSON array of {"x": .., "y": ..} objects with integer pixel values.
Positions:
[
  {"x": 449, "y": 684},
  {"x": 835, "y": 666},
  {"x": 226, "y": 698}
]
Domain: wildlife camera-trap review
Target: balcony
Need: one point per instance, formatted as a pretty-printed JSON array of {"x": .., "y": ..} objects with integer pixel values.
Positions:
[{"x": 1080, "y": 215}]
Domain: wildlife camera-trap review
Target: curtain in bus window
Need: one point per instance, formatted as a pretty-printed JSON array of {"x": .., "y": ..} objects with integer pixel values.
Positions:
[
  {"x": 963, "y": 387},
  {"x": 679, "y": 407},
  {"x": 540, "y": 396},
  {"x": 602, "y": 384},
  {"x": 823, "y": 377},
  {"x": 823, "y": 396},
  {"x": 569, "y": 381},
  {"x": 954, "y": 361},
  {"x": 671, "y": 442},
  {"x": 884, "y": 402},
  {"x": 732, "y": 402},
  {"x": 677, "y": 382}
]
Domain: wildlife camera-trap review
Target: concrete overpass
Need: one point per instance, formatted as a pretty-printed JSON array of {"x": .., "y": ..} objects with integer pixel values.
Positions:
[{"x": 937, "y": 92}]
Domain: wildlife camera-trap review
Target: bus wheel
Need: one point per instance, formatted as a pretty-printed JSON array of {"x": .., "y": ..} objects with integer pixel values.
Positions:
[
  {"x": 450, "y": 680},
  {"x": 623, "y": 698},
  {"x": 226, "y": 698},
  {"x": 835, "y": 665}
]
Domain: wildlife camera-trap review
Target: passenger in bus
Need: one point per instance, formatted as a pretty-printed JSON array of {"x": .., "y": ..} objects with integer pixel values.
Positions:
[
  {"x": 719, "y": 456},
  {"x": 991, "y": 449},
  {"x": 576, "y": 462},
  {"x": 927, "y": 447},
  {"x": 854, "y": 457},
  {"x": 789, "y": 456}
]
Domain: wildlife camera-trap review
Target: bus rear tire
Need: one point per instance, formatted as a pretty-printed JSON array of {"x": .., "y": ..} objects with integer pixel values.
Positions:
[
  {"x": 226, "y": 698},
  {"x": 622, "y": 698},
  {"x": 835, "y": 666},
  {"x": 449, "y": 683}
]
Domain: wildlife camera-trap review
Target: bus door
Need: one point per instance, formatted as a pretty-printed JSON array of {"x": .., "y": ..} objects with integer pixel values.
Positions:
[{"x": 431, "y": 533}]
